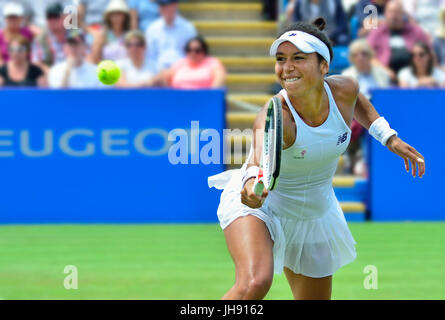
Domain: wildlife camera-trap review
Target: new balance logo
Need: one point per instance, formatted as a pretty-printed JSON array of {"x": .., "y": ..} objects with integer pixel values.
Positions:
[{"x": 342, "y": 138}]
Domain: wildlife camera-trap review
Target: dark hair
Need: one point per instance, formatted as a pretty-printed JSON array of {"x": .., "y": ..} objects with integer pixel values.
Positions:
[
  {"x": 315, "y": 29},
  {"x": 21, "y": 40},
  {"x": 428, "y": 51},
  {"x": 127, "y": 21},
  {"x": 201, "y": 41}
]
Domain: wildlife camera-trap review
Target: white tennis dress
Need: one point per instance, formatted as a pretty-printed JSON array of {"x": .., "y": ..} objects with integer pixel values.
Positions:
[{"x": 302, "y": 213}]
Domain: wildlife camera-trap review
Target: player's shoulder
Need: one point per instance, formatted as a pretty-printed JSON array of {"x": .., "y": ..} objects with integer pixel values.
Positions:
[
  {"x": 343, "y": 83},
  {"x": 343, "y": 87}
]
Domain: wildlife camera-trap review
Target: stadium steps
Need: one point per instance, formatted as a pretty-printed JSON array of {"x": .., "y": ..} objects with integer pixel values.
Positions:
[
  {"x": 241, "y": 120},
  {"x": 351, "y": 192},
  {"x": 234, "y": 28},
  {"x": 243, "y": 46},
  {"x": 217, "y": 11},
  {"x": 353, "y": 211},
  {"x": 254, "y": 83},
  {"x": 247, "y": 102},
  {"x": 248, "y": 64}
]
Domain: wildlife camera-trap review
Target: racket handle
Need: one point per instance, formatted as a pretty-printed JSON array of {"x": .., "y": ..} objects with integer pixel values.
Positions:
[{"x": 258, "y": 187}]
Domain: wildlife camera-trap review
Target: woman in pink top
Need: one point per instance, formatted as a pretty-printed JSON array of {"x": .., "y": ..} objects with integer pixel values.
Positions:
[
  {"x": 13, "y": 14},
  {"x": 197, "y": 70}
]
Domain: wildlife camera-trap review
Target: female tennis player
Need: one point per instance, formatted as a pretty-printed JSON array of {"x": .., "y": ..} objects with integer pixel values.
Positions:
[{"x": 299, "y": 226}]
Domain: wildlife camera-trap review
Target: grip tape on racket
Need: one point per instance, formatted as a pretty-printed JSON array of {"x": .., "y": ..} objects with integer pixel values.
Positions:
[
  {"x": 258, "y": 185},
  {"x": 258, "y": 188}
]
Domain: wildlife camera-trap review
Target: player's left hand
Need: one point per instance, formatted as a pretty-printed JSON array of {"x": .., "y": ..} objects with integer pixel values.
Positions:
[{"x": 408, "y": 154}]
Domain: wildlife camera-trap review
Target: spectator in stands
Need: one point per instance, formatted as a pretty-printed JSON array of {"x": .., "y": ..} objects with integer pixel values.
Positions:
[
  {"x": 109, "y": 43},
  {"x": 197, "y": 70},
  {"x": 18, "y": 71},
  {"x": 422, "y": 72},
  {"x": 143, "y": 13},
  {"x": 35, "y": 10},
  {"x": 270, "y": 9},
  {"x": 424, "y": 13},
  {"x": 75, "y": 71},
  {"x": 331, "y": 10},
  {"x": 135, "y": 70},
  {"x": 48, "y": 47},
  {"x": 90, "y": 14},
  {"x": 439, "y": 41},
  {"x": 167, "y": 36},
  {"x": 368, "y": 74},
  {"x": 13, "y": 14},
  {"x": 28, "y": 14},
  {"x": 395, "y": 38},
  {"x": 362, "y": 13}
]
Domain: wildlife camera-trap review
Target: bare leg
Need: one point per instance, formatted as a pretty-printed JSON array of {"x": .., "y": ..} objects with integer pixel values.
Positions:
[
  {"x": 250, "y": 246},
  {"x": 306, "y": 288}
]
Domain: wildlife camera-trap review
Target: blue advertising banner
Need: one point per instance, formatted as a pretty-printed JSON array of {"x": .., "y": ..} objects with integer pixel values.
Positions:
[
  {"x": 106, "y": 155},
  {"x": 418, "y": 117}
]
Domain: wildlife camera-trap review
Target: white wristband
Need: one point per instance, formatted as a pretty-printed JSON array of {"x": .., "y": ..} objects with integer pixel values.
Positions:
[
  {"x": 381, "y": 130},
  {"x": 251, "y": 172}
]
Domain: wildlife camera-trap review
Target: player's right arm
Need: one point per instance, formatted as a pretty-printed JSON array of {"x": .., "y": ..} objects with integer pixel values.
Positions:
[{"x": 248, "y": 196}]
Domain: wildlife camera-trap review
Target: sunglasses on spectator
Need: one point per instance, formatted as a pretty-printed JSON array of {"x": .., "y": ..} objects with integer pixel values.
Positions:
[
  {"x": 134, "y": 44},
  {"x": 195, "y": 50},
  {"x": 53, "y": 16},
  {"x": 361, "y": 53},
  {"x": 17, "y": 49},
  {"x": 419, "y": 54}
]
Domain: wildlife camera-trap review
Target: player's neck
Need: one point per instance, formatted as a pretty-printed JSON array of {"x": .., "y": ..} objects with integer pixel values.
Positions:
[{"x": 311, "y": 105}]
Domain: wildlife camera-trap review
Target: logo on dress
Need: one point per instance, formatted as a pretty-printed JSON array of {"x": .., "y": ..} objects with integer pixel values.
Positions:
[
  {"x": 301, "y": 156},
  {"x": 342, "y": 138}
]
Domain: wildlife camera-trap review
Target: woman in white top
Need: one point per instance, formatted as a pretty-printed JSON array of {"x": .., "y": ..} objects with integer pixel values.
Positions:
[
  {"x": 135, "y": 70},
  {"x": 421, "y": 72},
  {"x": 299, "y": 227},
  {"x": 109, "y": 42},
  {"x": 368, "y": 75}
]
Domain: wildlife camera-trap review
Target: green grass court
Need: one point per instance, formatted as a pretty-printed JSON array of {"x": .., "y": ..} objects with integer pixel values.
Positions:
[{"x": 192, "y": 262}]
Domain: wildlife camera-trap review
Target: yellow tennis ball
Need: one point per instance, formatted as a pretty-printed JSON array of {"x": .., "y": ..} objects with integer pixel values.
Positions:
[{"x": 108, "y": 72}]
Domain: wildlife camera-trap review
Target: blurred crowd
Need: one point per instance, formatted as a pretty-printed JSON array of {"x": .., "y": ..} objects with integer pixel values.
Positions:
[
  {"x": 58, "y": 43},
  {"x": 389, "y": 43}
]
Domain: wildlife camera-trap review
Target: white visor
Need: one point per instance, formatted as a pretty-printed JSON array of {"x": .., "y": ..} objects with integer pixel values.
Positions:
[{"x": 305, "y": 42}]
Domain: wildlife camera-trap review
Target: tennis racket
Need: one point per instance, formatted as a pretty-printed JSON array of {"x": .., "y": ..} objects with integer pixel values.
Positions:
[{"x": 271, "y": 156}]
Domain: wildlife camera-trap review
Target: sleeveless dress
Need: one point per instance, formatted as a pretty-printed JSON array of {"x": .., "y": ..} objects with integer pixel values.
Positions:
[{"x": 302, "y": 213}]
